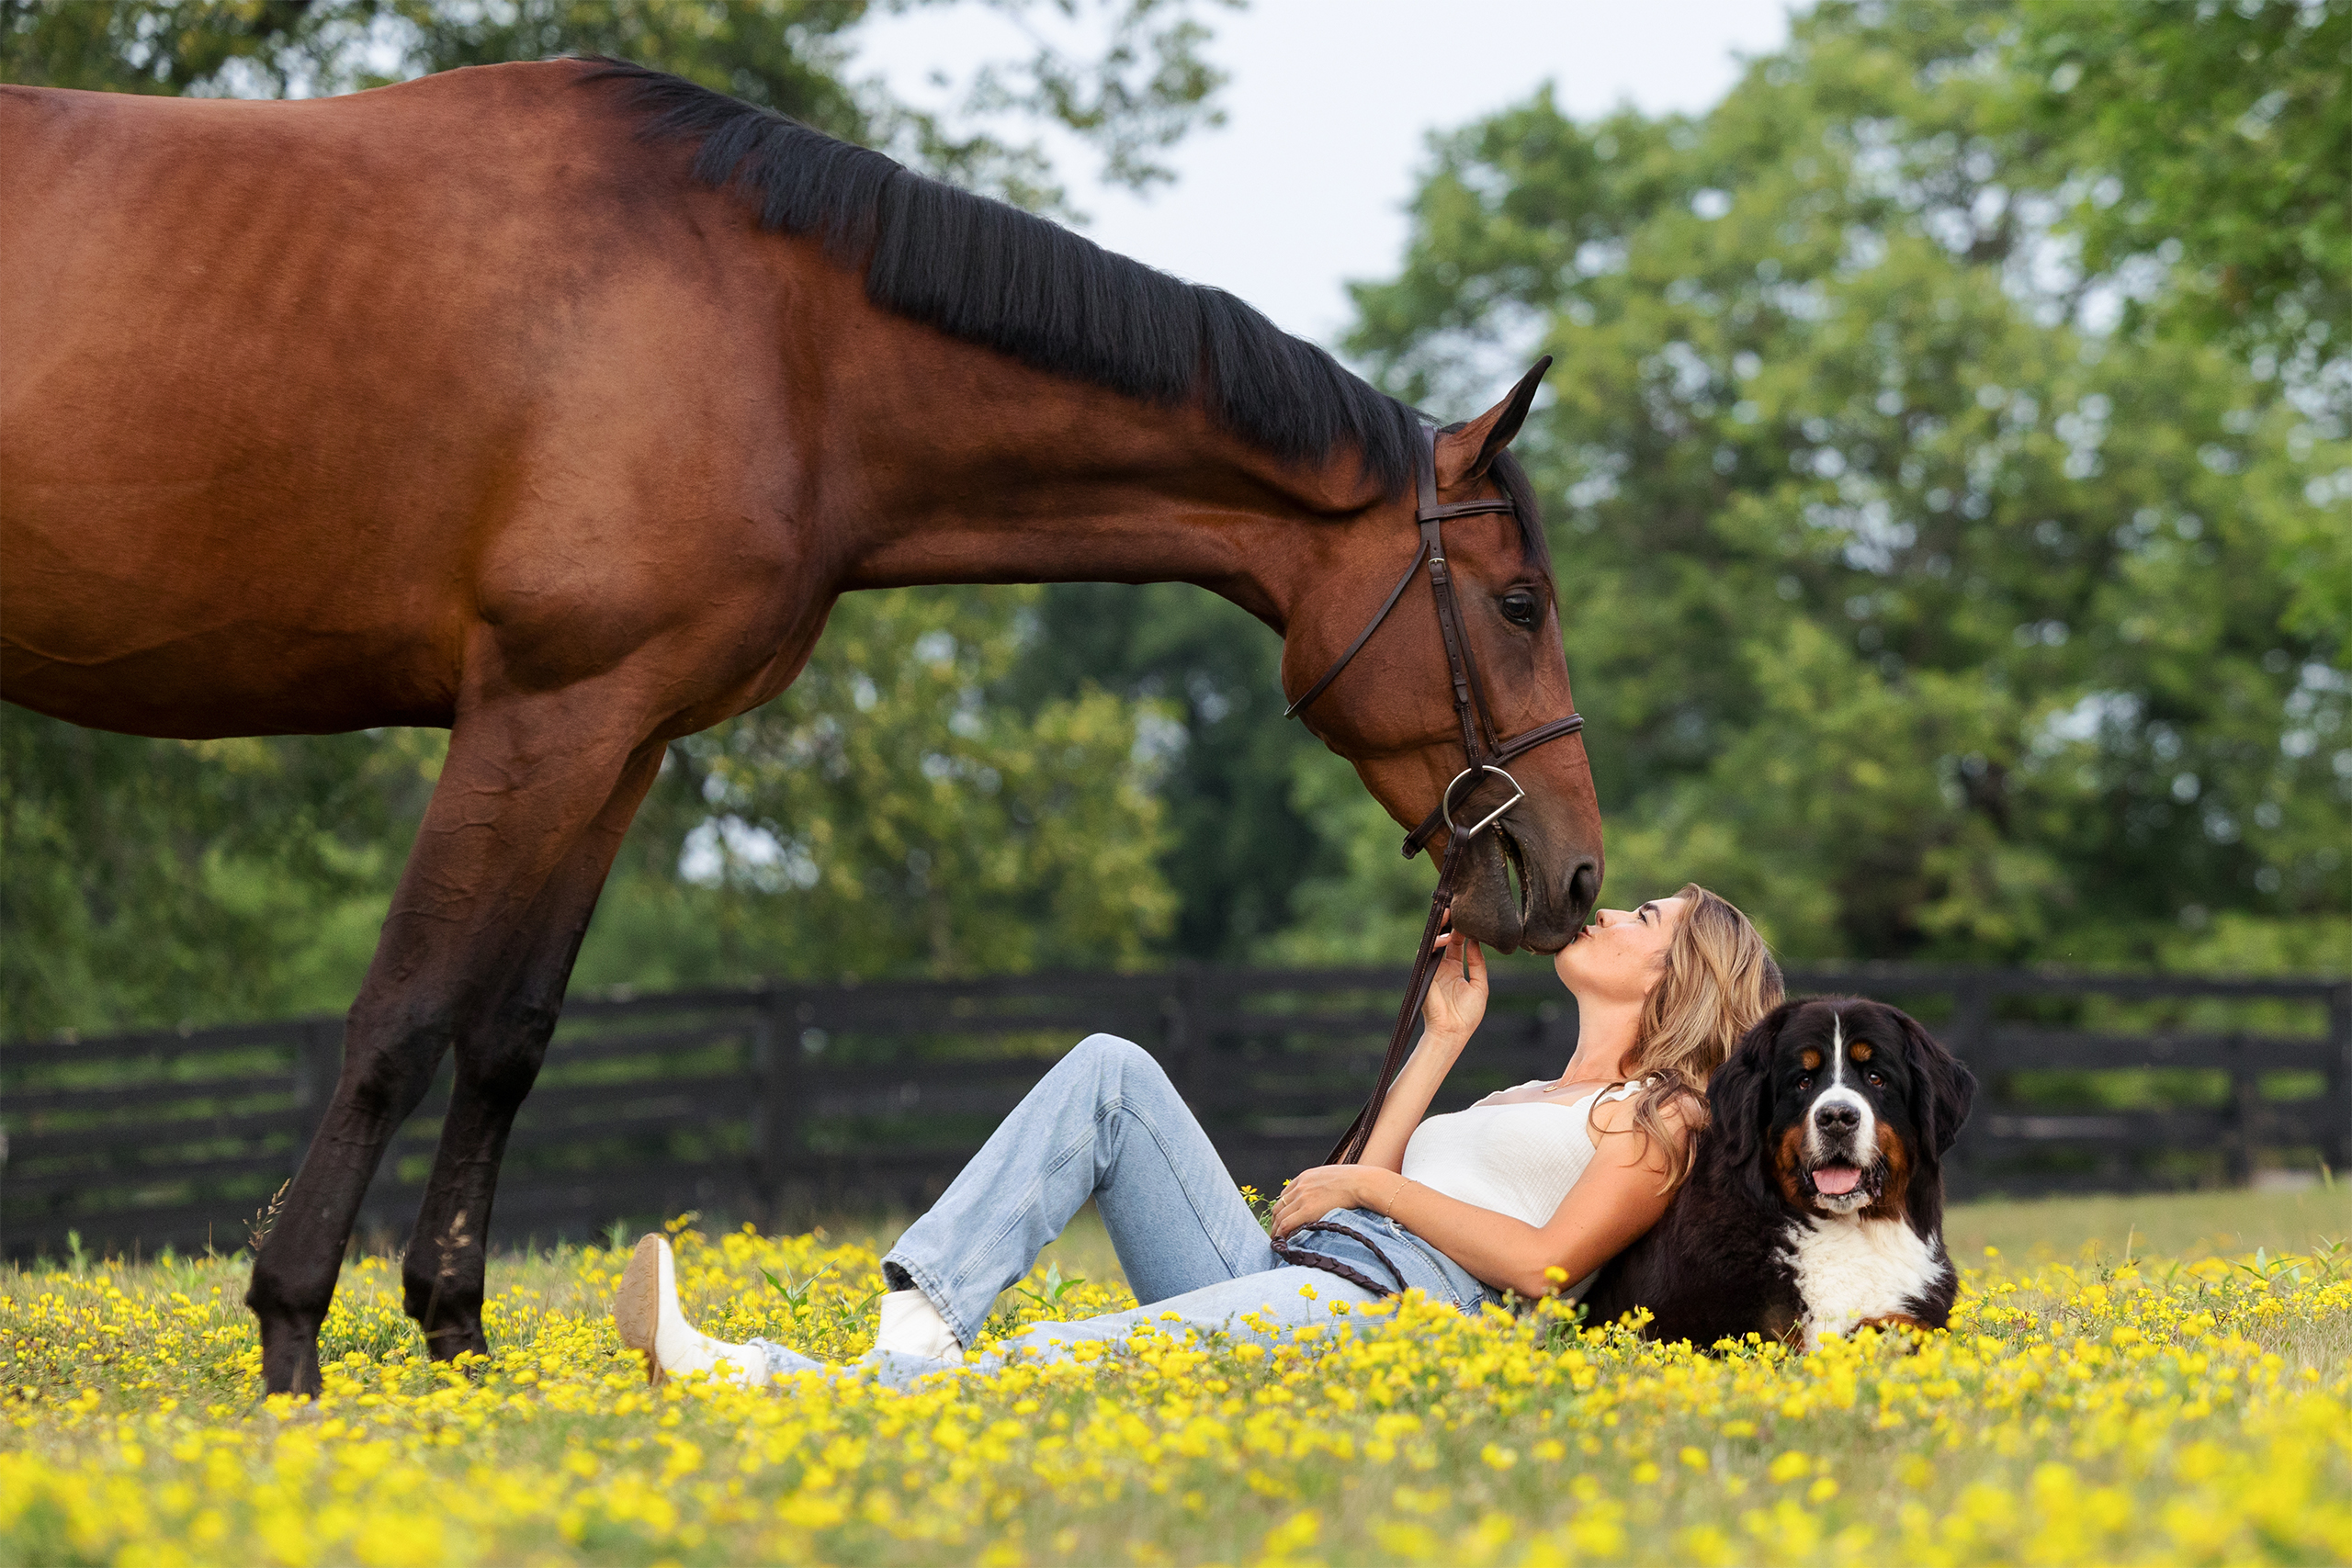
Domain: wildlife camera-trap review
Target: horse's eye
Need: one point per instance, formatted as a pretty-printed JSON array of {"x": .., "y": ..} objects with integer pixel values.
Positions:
[{"x": 1522, "y": 609}]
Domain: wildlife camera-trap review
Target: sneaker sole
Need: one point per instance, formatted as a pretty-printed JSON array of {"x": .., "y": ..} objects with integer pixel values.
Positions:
[{"x": 637, "y": 1306}]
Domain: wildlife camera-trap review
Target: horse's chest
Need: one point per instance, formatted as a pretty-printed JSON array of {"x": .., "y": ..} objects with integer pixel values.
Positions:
[{"x": 1848, "y": 1271}]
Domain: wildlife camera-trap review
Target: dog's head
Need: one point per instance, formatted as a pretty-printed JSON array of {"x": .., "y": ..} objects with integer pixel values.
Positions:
[{"x": 1840, "y": 1106}]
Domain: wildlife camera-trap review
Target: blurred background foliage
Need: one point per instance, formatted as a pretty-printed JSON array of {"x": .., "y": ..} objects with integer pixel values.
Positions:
[
  {"x": 1946, "y": 464},
  {"x": 891, "y": 815},
  {"x": 1953, "y": 556}
]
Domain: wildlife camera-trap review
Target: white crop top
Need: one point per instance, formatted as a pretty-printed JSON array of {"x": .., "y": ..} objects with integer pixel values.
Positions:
[{"x": 1517, "y": 1159}]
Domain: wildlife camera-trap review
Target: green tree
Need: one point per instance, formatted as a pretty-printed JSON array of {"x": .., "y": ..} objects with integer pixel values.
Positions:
[
  {"x": 886, "y": 816},
  {"x": 1241, "y": 842},
  {"x": 903, "y": 810},
  {"x": 174, "y": 46},
  {"x": 2207, "y": 146},
  {"x": 1911, "y": 607},
  {"x": 2212, "y": 136},
  {"x": 153, "y": 881}
]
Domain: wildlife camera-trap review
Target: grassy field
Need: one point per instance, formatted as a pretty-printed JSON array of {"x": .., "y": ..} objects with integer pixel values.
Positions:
[
  {"x": 2193, "y": 1404},
  {"x": 2186, "y": 1225}
]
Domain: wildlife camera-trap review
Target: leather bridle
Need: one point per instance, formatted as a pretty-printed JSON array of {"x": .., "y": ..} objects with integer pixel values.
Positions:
[{"x": 1483, "y": 747}]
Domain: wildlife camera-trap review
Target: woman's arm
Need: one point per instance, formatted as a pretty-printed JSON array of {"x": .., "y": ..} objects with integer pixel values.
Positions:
[
  {"x": 1457, "y": 1000},
  {"x": 1616, "y": 1198}
]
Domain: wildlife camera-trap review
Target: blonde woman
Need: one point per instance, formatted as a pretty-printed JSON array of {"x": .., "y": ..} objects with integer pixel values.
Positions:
[{"x": 1546, "y": 1181}]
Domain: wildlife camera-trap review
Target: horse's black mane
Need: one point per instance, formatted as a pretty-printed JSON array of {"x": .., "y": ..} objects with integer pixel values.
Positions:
[{"x": 990, "y": 274}]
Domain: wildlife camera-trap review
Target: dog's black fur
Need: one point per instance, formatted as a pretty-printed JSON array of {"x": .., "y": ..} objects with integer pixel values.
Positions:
[{"x": 1724, "y": 1262}]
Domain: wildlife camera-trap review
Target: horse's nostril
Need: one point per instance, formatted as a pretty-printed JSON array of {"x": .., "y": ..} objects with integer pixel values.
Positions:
[{"x": 1583, "y": 890}]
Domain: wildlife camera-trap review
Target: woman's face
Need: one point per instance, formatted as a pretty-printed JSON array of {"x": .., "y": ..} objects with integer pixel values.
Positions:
[{"x": 1618, "y": 958}]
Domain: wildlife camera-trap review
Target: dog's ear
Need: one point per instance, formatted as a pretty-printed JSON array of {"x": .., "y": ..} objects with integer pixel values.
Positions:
[
  {"x": 1949, "y": 1087},
  {"x": 1739, "y": 1103}
]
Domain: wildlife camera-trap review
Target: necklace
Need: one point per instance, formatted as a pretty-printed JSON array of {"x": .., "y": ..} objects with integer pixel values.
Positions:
[{"x": 1565, "y": 1081}]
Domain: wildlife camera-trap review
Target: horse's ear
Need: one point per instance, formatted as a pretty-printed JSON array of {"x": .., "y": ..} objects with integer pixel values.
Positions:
[{"x": 1465, "y": 453}]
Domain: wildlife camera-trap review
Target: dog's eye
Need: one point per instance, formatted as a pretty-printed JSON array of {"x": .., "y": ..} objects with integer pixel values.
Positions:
[
  {"x": 1877, "y": 1082},
  {"x": 1522, "y": 609},
  {"x": 1805, "y": 1083}
]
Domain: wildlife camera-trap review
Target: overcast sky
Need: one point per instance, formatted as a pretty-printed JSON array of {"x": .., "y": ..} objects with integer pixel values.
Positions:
[{"x": 1328, "y": 109}]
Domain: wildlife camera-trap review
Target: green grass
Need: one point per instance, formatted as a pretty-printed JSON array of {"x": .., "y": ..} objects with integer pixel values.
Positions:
[{"x": 2185, "y": 1225}]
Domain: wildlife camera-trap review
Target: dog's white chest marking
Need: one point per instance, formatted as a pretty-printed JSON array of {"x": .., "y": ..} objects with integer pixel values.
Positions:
[{"x": 1850, "y": 1269}]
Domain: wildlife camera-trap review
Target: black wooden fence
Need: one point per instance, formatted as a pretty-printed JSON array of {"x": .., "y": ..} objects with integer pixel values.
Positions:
[{"x": 778, "y": 1102}]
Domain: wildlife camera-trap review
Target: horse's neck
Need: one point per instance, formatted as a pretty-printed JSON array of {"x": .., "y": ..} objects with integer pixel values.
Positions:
[{"x": 1041, "y": 480}]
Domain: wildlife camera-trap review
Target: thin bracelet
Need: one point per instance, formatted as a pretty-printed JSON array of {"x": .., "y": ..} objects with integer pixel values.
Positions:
[{"x": 1395, "y": 1193}]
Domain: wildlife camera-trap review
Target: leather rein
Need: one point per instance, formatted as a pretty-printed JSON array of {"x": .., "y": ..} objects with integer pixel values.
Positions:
[{"x": 1482, "y": 745}]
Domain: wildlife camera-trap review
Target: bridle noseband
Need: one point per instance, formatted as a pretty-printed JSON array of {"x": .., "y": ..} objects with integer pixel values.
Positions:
[{"x": 1482, "y": 746}]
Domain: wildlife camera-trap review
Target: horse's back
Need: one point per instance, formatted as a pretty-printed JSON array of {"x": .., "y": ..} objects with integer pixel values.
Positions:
[
  {"x": 278, "y": 379},
  {"x": 150, "y": 210}
]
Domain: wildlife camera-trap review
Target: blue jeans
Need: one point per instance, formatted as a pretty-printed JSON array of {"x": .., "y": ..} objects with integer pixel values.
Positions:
[{"x": 1106, "y": 1124}]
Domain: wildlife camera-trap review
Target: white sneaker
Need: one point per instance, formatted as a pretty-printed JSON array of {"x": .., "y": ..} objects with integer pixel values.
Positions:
[
  {"x": 912, "y": 1326},
  {"x": 645, "y": 1311}
]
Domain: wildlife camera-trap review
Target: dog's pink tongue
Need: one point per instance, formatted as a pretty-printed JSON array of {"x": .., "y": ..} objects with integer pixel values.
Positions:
[{"x": 1837, "y": 1181}]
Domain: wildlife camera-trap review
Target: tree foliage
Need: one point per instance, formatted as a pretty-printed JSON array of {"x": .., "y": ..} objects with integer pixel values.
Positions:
[
  {"x": 1912, "y": 607},
  {"x": 2210, "y": 139},
  {"x": 890, "y": 814},
  {"x": 1241, "y": 843},
  {"x": 153, "y": 881}
]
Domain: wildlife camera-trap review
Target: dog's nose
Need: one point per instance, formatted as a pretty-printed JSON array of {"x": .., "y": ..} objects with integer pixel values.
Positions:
[{"x": 1836, "y": 1117}]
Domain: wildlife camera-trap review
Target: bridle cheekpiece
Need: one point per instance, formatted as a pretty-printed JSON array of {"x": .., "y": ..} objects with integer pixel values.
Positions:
[{"x": 1483, "y": 747}]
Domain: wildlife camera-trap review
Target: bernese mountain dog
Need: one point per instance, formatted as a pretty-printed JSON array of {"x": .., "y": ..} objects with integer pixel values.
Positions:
[{"x": 1815, "y": 1203}]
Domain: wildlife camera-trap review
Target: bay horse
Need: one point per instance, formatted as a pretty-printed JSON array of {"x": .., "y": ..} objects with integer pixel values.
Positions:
[{"x": 555, "y": 403}]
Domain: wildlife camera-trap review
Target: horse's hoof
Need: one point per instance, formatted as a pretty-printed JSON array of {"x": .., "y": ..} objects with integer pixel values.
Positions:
[
  {"x": 290, "y": 1363},
  {"x": 454, "y": 1339}
]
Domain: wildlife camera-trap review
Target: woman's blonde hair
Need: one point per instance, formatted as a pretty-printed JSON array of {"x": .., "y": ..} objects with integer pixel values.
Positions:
[{"x": 1718, "y": 979}]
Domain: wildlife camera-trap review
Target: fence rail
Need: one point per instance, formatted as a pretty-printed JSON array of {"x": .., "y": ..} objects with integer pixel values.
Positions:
[{"x": 774, "y": 1102}]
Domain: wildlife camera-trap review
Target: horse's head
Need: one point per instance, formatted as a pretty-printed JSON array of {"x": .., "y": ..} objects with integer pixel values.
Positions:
[{"x": 1531, "y": 879}]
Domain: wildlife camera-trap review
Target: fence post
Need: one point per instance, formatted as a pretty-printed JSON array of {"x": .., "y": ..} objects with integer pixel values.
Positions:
[
  {"x": 775, "y": 1130},
  {"x": 318, "y": 1063},
  {"x": 1176, "y": 1031},
  {"x": 1184, "y": 1046},
  {"x": 2339, "y": 1074},
  {"x": 1972, "y": 1042},
  {"x": 1181, "y": 1047},
  {"x": 2245, "y": 1112}
]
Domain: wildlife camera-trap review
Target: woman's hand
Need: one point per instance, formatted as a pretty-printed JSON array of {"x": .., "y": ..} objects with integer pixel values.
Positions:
[
  {"x": 1457, "y": 998},
  {"x": 1315, "y": 1193}
]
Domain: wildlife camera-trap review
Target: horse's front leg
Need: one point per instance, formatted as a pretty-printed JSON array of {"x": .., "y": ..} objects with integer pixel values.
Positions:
[
  {"x": 526, "y": 781},
  {"x": 499, "y": 1053}
]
